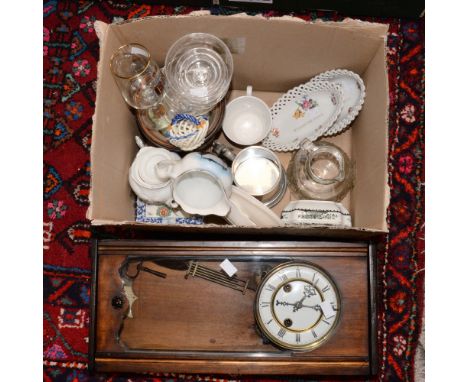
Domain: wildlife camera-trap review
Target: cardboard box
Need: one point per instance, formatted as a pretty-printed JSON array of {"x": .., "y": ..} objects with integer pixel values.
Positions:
[{"x": 273, "y": 55}]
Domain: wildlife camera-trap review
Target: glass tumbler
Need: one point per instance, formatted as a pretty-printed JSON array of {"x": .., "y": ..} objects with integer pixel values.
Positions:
[
  {"x": 320, "y": 171},
  {"x": 139, "y": 78}
]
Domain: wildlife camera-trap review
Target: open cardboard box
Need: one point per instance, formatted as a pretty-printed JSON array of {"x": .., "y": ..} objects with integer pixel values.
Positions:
[{"x": 273, "y": 55}]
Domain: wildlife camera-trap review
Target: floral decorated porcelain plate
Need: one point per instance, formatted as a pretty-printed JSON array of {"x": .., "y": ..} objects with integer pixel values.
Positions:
[
  {"x": 307, "y": 111},
  {"x": 354, "y": 92}
]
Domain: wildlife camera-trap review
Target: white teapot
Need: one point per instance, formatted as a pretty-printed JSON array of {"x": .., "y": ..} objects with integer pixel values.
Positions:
[{"x": 144, "y": 179}]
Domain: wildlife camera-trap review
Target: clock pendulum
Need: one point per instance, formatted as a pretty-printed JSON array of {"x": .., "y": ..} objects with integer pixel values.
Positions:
[{"x": 196, "y": 269}]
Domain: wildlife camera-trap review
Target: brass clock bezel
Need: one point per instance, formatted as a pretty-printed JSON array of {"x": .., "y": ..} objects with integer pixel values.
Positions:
[{"x": 274, "y": 340}]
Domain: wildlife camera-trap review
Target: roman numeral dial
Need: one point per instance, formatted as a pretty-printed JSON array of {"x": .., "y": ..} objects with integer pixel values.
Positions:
[{"x": 297, "y": 306}]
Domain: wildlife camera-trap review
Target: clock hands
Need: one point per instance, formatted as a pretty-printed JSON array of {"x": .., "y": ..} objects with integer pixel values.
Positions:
[
  {"x": 284, "y": 303},
  {"x": 316, "y": 307},
  {"x": 308, "y": 291},
  {"x": 297, "y": 305}
]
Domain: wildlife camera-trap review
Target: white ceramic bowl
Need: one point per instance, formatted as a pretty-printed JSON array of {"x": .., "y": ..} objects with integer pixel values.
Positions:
[{"x": 247, "y": 120}]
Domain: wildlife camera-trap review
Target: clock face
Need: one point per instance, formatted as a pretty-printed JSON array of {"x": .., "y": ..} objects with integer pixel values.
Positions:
[{"x": 297, "y": 306}]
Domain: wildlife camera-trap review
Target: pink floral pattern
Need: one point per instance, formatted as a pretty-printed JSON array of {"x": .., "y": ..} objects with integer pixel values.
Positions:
[
  {"x": 56, "y": 209},
  {"x": 87, "y": 24},
  {"x": 308, "y": 104},
  {"x": 408, "y": 113},
  {"x": 81, "y": 68},
  {"x": 303, "y": 106},
  {"x": 405, "y": 164}
]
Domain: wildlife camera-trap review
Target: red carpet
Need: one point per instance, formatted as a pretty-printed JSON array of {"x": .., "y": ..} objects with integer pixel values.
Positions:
[{"x": 71, "y": 52}]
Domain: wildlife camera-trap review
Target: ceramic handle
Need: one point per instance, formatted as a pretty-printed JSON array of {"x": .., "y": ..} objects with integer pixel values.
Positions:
[
  {"x": 236, "y": 217},
  {"x": 249, "y": 90},
  {"x": 172, "y": 203},
  {"x": 139, "y": 142}
]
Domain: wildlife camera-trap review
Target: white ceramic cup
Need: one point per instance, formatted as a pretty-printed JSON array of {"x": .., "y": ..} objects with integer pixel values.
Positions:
[{"x": 247, "y": 119}]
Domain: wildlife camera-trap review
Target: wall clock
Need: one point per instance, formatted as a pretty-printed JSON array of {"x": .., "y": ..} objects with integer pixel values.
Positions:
[{"x": 293, "y": 307}]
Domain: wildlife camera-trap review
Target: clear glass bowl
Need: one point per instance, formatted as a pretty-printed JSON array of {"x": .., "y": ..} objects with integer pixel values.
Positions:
[
  {"x": 198, "y": 71},
  {"x": 320, "y": 171}
]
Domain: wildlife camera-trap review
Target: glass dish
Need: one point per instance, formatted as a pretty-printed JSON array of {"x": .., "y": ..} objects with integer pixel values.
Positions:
[
  {"x": 320, "y": 171},
  {"x": 198, "y": 69}
]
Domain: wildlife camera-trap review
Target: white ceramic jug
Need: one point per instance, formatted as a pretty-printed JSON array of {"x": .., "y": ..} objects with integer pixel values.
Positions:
[
  {"x": 171, "y": 169},
  {"x": 200, "y": 192}
]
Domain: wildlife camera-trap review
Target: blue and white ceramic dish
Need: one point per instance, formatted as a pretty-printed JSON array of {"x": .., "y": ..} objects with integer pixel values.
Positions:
[{"x": 162, "y": 214}]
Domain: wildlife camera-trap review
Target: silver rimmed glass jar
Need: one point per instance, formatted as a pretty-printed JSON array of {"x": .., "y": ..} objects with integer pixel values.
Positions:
[{"x": 320, "y": 171}]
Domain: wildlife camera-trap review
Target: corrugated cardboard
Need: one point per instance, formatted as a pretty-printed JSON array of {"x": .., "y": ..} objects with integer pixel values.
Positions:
[{"x": 273, "y": 55}]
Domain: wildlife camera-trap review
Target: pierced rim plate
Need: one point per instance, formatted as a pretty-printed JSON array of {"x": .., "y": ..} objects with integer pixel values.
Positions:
[
  {"x": 306, "y": 111},
  {"x": 354, "y": 92}
]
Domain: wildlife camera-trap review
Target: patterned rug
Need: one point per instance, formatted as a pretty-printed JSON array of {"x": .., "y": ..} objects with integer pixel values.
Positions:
[{"x": 71, "y": 53}]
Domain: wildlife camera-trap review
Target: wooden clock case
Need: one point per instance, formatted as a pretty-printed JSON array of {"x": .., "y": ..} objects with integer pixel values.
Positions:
[{"x": 195, "y": 326}]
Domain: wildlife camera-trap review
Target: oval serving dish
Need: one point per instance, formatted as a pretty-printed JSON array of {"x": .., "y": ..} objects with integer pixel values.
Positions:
[
  {"x": 354, "y": 92},
  {"x": 307, "y": 111}
]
